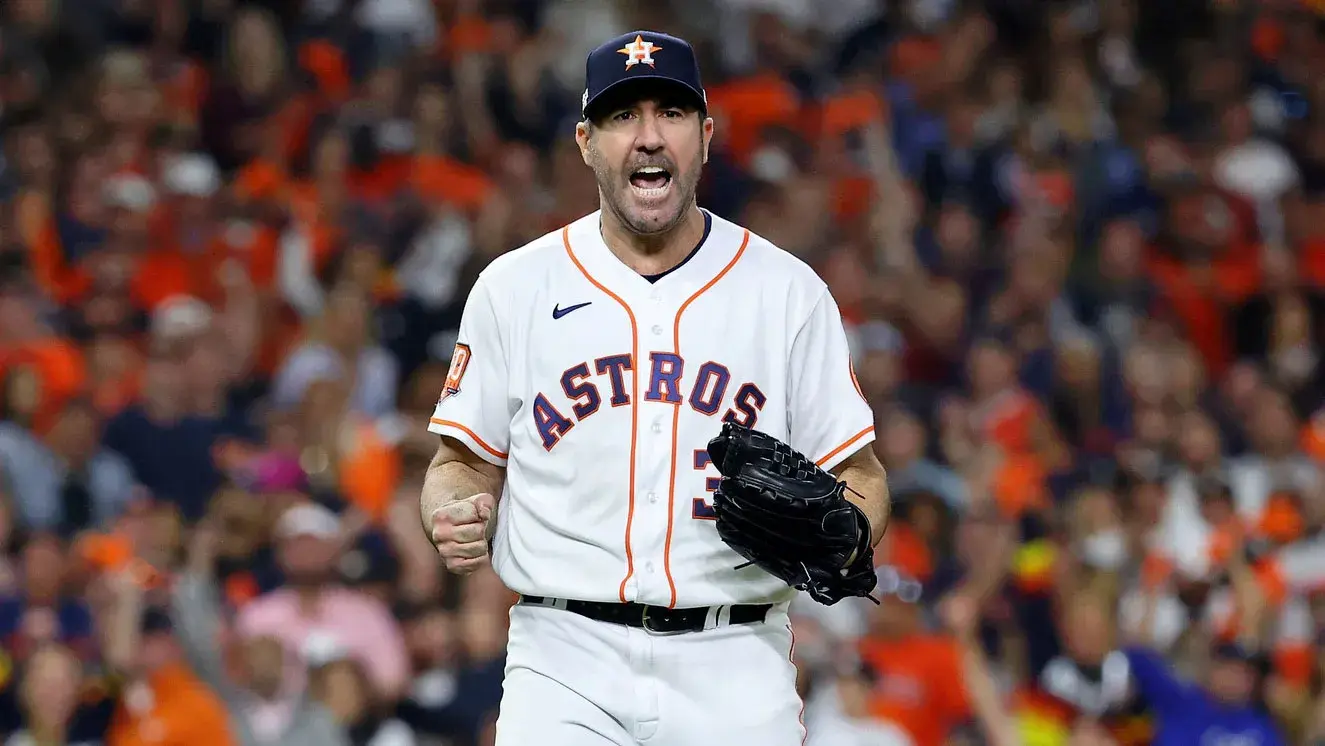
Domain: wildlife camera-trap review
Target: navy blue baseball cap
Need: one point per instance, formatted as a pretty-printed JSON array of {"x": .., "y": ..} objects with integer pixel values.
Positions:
[{"x": 641, "y": 56}]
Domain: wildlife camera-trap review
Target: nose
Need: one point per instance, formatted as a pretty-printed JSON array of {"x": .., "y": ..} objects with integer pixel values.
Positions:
[{"x": 649, "y": 138}]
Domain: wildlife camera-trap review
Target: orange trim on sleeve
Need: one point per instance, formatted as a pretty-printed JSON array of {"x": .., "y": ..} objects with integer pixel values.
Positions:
[
  {"x": 634, "y": 402},
  {"x": 470, "y": 433},
  {"x": 676, "y": 418},
  {"x": 845, "y": 445}
]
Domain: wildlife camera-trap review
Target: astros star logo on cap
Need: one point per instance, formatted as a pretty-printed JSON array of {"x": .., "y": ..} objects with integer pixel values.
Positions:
[{"x": 639, "y": 51}]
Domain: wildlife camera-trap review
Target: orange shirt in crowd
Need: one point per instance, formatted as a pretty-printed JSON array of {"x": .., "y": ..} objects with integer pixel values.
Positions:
[
  {"x": 918, "y": 686},
  {"x": 173, "y": 708},
  {"x": 369, "y": 471},
  {"x": 1201, "y": 296},
  {"x": 444, "y": 180}
]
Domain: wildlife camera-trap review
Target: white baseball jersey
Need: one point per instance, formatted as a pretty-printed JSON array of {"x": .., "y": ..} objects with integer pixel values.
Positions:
[{"x": 599, "y": 391}]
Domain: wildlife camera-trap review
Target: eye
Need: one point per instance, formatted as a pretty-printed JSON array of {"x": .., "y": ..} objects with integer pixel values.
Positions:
[
  {"x": 622, "y": 116},
  {"x": 673, "y": 113}
]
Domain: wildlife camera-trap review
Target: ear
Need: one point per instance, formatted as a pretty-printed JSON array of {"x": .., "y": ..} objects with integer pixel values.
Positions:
[
  {"x": 708, "y": 136},
  {"x": 582, "y": 134}
]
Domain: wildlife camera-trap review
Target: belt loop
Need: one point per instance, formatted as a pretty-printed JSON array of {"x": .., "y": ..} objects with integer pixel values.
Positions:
[
  {"x": 724, "y": 616},
  {"x": 558, "y": 603},
  {"x": 711, "y": 618}
]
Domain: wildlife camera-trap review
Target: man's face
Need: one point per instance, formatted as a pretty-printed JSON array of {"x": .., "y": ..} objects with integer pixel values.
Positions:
[
  {"x": 307, "y": 560},
  {"x": 1231, "y": 682},
  {"x": 647, "y": 156}
]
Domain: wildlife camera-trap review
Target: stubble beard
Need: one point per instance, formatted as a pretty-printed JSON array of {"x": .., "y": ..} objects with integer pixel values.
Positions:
[{"x": 614, "y": 195}]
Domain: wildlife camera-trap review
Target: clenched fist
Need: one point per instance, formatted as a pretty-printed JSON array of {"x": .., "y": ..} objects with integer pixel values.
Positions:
[{"x": 460, "y": 532}]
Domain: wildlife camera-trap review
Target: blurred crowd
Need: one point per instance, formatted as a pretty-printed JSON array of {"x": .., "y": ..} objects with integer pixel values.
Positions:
[{"x": 1079, "y": 246}]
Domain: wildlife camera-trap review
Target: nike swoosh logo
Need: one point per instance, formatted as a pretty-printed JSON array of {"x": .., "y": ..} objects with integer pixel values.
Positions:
[{"x": 558, "y": 311}]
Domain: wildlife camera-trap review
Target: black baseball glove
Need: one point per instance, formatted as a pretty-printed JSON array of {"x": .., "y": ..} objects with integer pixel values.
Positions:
[{"x": 780, "y": 511}]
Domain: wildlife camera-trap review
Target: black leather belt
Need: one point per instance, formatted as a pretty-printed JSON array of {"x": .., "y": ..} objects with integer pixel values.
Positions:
[{"x": 655, "y": 618}]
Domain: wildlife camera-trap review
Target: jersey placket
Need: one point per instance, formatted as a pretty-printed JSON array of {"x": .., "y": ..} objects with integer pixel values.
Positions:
[{"x": 651, "y": 581}]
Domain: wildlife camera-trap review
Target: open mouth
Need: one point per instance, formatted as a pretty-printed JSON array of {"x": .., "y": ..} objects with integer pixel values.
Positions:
[{"x": 650, "y": 181}]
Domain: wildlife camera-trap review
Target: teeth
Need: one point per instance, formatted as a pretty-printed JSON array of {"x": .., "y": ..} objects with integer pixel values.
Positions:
[{"x": 651, "y": 170}]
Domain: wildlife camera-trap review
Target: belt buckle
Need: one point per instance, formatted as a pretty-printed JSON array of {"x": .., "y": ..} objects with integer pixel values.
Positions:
[{"x": 644, "y": 621}]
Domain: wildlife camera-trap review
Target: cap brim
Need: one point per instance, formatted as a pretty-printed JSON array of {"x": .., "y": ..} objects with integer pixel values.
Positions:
[{"x": 615, "y": 91}]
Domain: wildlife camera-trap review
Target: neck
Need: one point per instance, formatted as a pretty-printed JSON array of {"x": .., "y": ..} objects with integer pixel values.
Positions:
[
  {"x": 47, "y": 732},
  {"x": 210, "y": 403},
  {"x": 309, "y": 595},
  {"x": 654, "y": 253}
]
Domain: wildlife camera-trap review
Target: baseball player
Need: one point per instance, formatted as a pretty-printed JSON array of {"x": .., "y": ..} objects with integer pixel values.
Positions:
[{"x": 651, "y": 429}]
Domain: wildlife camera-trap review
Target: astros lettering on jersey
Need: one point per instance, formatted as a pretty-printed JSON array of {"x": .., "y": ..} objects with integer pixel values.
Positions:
[{"x": 599, "y": 390}]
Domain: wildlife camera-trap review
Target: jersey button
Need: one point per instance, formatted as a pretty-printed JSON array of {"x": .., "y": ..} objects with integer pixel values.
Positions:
[
  {"x": 653, "y": 497},
  {"x": 657, "y": 330},
  {"x": 648, "y": 567},
  {"x": 657, "y": 426}
]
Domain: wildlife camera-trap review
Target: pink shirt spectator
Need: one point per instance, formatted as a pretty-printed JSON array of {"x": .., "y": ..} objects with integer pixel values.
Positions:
[{"x": 356, "y": 622}]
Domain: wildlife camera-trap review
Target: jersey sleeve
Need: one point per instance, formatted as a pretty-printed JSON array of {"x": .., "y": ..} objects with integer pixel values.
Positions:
[
  {"x": 474, "y": 407},
  {"x": 829, "y": 418}
]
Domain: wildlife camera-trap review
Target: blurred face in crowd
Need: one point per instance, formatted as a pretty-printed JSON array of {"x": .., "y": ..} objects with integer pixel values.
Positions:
[
  {"x": 1235, "y": 124},
  {"x": 1273, "y": 426},
  {"x": 126, "y": 95},
  {"x": 1143, "y": 370},
  {"x": 991, "y": 369},
  {"x": 893, "y": 618},
  {"x": 1078, "y": 367},
  {"x": 76, "y": 434},
  {"x": 163, "y": 534},
  {"x": 1198, "y": 441},
  {"x": 1230, "y": 681},
  {"x": 432, "y": 638},
  {"x": 164, "y": 383},
  {"x": 1153, "y": 428},
  {"x": 1186, "y": 376},
  {"x": 958, "y": 234},
  {"x": 1216, "y": 504},
  {"x": 431, "y": 110},
  {"x": 1088, "y": 630},
  {"x": 84, "y": 200},
  {"x": 1005, "y": 84},
  {"x": 903, "y": 439},
  {"x": 43, "y": 568},
  {"x": 384, "y": 86},
  {"x": 647, "y": 156},
  {"x": 50, "y": 686},
  {"x": 264, "y": 665},
  {"x": 22, "y": 392},
  {"x": 33, "y": 158},
  {"x": 156, "y": 650},
  {"x": 31, "y": 13},
  {"x": 22, "y": 322},
  {"x": 1240, "y": 387},
  {"x": 255, "y": 52},
  {"x": 307, "y": 560},
  {"x": 204, "y": 364},
  {"x": 241, "y": 520},
  {"x": 347, "y": 318},
  {"x": 1121, "y": 247},
  {"x": 880, "y": 372},
  {"x": 332, "y": 158}
]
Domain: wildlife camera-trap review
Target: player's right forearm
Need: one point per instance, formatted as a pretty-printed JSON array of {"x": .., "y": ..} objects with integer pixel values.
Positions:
[{"x": 448, "y": 480}]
